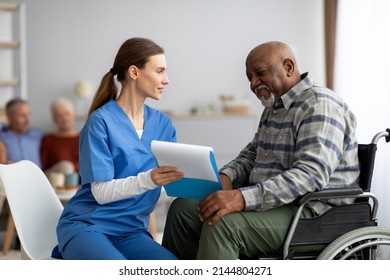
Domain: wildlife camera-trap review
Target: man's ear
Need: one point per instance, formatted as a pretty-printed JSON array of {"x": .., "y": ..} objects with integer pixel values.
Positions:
[
  {"x": 133, "y": 72},
  {"x": 289, "y": 65}
]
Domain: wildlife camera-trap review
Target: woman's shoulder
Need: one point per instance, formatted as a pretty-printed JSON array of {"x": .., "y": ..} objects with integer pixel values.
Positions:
[
  {"x": 101, "y": 119},
  {"x": 157, "y": 114},
  {"x": 109, "y": 110}
]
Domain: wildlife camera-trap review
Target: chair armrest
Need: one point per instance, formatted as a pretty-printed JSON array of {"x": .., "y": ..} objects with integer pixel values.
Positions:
[{"x": 327, "y": 194}]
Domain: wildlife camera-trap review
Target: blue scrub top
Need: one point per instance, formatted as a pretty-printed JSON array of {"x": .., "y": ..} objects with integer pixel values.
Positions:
[{"x": 110, "y": 148}]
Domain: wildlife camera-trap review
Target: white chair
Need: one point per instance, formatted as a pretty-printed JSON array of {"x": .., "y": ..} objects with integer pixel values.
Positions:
[{"x": 34, "y": 206}]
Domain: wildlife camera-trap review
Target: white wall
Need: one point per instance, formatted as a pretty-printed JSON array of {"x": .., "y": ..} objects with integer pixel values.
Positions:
[
  {"x": 206, "y": 44},
  {"x": 361, "y": 72}
]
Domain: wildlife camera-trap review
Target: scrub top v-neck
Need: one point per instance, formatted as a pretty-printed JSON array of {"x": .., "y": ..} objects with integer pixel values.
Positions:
[{"x": 110, "y": 148}]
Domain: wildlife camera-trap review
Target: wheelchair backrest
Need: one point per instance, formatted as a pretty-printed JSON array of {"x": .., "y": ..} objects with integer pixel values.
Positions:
[{"x": 366, "y": 154}]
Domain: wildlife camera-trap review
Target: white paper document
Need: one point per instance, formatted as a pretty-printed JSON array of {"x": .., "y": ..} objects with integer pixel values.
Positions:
[{"x": 197, "y": 164}]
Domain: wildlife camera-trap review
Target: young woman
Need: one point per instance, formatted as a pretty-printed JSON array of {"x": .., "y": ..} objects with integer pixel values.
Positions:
[{"x": 109, "y": 215}]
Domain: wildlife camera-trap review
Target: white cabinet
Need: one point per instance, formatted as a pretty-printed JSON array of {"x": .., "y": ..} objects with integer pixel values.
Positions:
[
  {"x": 227, "y": 134},
  {"x": 13, "y": 82}
]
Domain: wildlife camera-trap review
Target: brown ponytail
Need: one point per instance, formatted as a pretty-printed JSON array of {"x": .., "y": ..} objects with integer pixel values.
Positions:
[
  {"x": 134, "y": 51},
  {"x": 106, "y": 91}
]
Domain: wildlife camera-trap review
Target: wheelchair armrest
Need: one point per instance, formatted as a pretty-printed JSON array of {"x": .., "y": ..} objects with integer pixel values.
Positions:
[{"x": 327, "y": 194}]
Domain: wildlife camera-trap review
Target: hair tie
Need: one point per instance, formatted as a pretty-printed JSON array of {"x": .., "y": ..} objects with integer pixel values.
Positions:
[{"x": 113, "y": 71}]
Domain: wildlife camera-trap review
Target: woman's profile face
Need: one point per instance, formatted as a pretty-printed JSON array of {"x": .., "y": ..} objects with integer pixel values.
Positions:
[{"x": 152, "y": 78}]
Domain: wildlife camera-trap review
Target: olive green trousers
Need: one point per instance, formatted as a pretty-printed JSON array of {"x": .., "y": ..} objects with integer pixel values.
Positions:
[{"x": 244, "y": 233}]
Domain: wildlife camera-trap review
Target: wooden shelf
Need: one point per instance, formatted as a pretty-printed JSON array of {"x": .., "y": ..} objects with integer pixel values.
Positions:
[
  {"x": 13, "y": 48},
  {"x": 9, "y": 82},
  {"x": 11, "y": 45},
  {"x": 9, "y": 6}
]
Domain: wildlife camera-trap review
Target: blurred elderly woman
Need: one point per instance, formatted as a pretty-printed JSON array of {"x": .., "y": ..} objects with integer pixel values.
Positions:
[{"x": 60, "y": 149}]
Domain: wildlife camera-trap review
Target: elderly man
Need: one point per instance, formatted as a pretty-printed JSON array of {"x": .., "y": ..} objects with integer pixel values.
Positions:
[
  {"x": 305, "y": 142},
  {"x": 21, "y": 141}
]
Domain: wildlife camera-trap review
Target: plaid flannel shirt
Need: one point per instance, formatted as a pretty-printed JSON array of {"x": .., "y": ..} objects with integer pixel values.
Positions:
[{"x": 306, "y": 142}]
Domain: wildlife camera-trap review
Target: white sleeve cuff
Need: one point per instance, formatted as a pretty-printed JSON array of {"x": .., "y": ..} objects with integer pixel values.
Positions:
[{"x": 117, "y": 189}]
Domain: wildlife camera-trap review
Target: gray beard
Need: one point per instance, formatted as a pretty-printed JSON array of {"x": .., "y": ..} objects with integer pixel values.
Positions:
[{"x": 268, "y": 102}]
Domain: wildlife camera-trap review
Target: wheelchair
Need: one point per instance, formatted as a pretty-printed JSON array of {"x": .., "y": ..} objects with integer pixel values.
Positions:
[{"x": 346, "y": 231}]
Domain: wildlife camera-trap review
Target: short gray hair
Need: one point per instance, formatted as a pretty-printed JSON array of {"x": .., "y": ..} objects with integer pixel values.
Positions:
[
  {"x": 62, "y": 101},
  {"x": 12, "y": 103}
]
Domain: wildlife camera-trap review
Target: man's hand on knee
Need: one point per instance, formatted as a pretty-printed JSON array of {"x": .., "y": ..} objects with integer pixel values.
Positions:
[{"x": 219, "y": 204}]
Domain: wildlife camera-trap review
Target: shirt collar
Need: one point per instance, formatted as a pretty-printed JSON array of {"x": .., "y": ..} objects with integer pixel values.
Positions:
[{"x": 288, "y": 98}]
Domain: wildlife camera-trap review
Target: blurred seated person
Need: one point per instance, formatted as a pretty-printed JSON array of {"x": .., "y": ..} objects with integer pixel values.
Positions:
[
  {"x": 21, "y": 141},
  {"x": 60, "y": 149}
]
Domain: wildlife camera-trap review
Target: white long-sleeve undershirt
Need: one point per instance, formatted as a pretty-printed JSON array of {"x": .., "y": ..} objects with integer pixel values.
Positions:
[{"x": 117, "y": 189}]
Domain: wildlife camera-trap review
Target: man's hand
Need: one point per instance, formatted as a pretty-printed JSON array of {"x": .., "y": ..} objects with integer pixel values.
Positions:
[
  {"x": 219, "y": 204},
  {"x": 165, "y": 174}
]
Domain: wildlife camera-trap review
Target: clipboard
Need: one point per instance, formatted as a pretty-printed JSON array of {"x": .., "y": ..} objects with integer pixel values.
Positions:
[{"x": 197, "y": 163}]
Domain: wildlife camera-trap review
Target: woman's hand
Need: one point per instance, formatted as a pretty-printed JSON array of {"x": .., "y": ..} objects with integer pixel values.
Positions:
[{"x": 165, "y": 174}]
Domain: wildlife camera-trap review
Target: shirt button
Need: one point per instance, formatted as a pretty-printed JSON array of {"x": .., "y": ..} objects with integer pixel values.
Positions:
[
  {"x": 266, "y": 154},
  {"x": 254, "y": 171},
  {"x": 274, "y": 111}
]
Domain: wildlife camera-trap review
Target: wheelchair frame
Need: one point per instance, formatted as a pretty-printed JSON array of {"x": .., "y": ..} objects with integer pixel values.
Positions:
[{"x": 349, "y": 237}]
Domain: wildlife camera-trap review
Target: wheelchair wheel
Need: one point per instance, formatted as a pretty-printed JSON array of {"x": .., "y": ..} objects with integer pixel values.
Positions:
[{"x": 367, "y": 243}]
